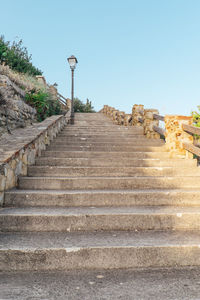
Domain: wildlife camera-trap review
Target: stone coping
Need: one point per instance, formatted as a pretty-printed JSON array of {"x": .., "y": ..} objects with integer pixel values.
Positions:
[
  {"x": 11, "y": 144},
  {"x": 19, "y": 149}
]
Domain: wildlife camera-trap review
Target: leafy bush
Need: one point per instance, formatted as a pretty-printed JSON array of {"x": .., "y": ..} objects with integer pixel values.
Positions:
[
  {"x": 16, "y": 57},
  {"x": 79, "y": 106},
  {"x": 196, "y": 117},
  {"x": 43, "y": 102}
]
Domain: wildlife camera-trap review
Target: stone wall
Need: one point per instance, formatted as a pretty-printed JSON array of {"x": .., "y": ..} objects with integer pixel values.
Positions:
[
  {"x": 14, "y": 112},
  {"x": 117, "y": 117},
  {"x": 20, "y": 149}
]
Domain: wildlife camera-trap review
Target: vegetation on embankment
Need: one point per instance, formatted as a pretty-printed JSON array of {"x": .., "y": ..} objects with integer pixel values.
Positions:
[
  {"x": 15, "y": 63},
  {"x": 196, "y": 117},
  {"x": 16, "y": 56},
  {"x": 44, "y": 103}
]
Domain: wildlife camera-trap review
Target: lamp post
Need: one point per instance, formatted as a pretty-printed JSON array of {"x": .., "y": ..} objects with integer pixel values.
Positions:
[{"x": 72, "y": 60}]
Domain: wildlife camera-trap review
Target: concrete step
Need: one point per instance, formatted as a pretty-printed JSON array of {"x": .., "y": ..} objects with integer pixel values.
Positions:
[
  {"x": 102, "y": 139},
  {"x": 99, "y": 218},
  {"x": 99, "y": 154},
  {"x": 114, "y": 162},
  {"x": 108, "y": 130},
  {"x": 106, "y": 144},
  {"x": 107, "y": 148},
  {"x": 97, "y": 250},
  {"x": 125, "y": 284},
  {"x": 100, "y": 134},
  {"x": 49, "y": 171},
  {"x": 113, "y": 183},
  {"x": 71, "y": 198}
]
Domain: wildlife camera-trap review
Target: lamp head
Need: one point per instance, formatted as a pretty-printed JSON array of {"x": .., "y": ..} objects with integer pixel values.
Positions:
[{"x": 72, "y": 60}]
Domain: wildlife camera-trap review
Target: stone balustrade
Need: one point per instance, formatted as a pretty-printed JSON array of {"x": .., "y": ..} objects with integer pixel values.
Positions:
[
  {"x": 20, "y": 149},
  {"x": 118, "y": 117},
  {"x": 175, "y": 135}
]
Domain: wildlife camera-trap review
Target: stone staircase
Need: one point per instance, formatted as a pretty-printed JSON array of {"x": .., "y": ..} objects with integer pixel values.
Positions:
[{"x": 102, "y": 196}]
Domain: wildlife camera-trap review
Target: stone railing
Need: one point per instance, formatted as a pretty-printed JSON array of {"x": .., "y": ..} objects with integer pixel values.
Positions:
[
  {"x": 19, "y": 150},
  {"x": 178, "y": 132},
  {"x": 118, "y": 117}
]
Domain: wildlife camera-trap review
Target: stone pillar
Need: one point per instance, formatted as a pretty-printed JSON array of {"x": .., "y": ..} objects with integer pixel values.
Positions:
[
  {"x": 137, "y": 114},
  {"x": 127, "y": 117},
  {"x": 110, "y": 112},
  {"x": 120, "y": 117},
  {"x": 115, "y": 116},
  {"x": 105, "y": 109},
  {"x": 149, "y": 122},
  {"x": 176, "y": 136}
]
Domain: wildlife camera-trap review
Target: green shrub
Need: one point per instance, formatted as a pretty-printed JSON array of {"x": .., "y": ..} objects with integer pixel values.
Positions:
[
  {"x": 16, "y": 57},
  {"x": 196, "y": 117},
  {"x": 79, "y": 106},
  {"x": 43, "y": 102}
]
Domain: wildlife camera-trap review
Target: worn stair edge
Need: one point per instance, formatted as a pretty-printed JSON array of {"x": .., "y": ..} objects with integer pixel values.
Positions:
[
  {"x": 99, "y": 219},
  {"x": 90, "y": 154},
  {"x": 99, "y": 258},
  {"x": 72, "y": 171},
  {"x": 95, "y": 183},
  {"x": 114, "y": 162},
  {"x": 31, "y": 198}
]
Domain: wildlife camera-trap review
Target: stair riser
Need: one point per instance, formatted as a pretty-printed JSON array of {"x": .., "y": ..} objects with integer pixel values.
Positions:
[
  {"x": 113, "y": 163},
  {"x": 105, "y": 144},
  {"x": 99, "y": 258},
  {"x": 108, "y": 222},
  {"x": 97, "y": 199},
  {"x": 100, "y": 135},
  {"x": 98, "y": 129},
  {"x": 113, "y": 172},
  {"x": 97, "y": 155},
  {"x": 108, "y": 183},
  {"x": 107, "y": 148}
]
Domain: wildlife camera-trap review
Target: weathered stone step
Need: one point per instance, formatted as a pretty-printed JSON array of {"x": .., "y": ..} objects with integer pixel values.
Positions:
[
  {"x": 101, "y": 134},
  {"x": 113, "y": 284},
  {"x": 108, "y": 130},
  {"x": 106, "y": 144},
  {"x": 98, "y": 219},
  {"x": 110, "y": 171},
  {"x": 107, "y": 148},
  {"x": 111, "y": 250},
  {"x": 99, "y": 154},
  {"x": 113, "y": 183},
  {"x": 114, "y": 162},
  {"x": 71, "y": 198},
  {"x": 102, "y": 139}
]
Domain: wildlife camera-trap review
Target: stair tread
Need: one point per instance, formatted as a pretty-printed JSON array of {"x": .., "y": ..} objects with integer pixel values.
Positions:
[
  {"x": 85, "y": 191},
  {"x": 127, "y": 210},
  {"x": 76, "y": 240}
]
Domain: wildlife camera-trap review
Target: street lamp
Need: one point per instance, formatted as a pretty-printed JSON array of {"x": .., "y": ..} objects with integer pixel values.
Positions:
[{"x": 72, "y": 60}]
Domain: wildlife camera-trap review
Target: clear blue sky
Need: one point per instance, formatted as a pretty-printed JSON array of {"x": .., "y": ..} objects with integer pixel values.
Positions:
[{"x": 129, "y": 51}]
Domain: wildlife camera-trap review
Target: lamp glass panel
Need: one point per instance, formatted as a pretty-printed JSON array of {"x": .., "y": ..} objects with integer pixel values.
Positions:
[{"x": 72, "y": 62}]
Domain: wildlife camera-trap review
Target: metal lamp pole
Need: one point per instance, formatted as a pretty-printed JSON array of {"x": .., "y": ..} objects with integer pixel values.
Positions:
[{"x": 72, "y": 62}]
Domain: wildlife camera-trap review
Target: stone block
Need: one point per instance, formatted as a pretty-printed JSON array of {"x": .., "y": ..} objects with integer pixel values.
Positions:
[
  {"x": 149, "y": 123},
  {"x": 176, "y": 136},
  {"x": 137, "y": 115}
]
